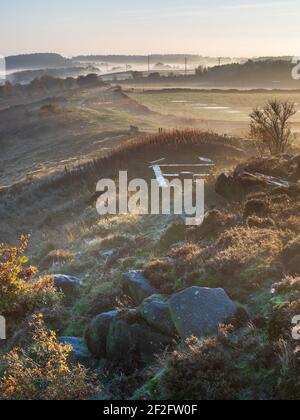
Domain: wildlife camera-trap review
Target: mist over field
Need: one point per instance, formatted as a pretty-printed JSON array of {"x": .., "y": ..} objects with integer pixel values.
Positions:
[{"x": 149, "y": 203}]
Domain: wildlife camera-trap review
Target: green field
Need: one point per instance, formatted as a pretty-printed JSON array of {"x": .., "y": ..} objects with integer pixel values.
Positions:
[{"x": 211, "y": 106}]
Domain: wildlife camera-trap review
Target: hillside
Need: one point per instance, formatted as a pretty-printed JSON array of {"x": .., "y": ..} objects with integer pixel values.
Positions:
[
  {"x": 28, "y": 61},
  {"x": 252, "y": 74},
  {"x": 247, "y": 245},
  {"x": 151, "y": 309}
]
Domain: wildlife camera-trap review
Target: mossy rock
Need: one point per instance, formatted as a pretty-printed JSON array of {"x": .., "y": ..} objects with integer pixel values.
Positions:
[
  {"x": 155, "y": 311},
  {"x": 97, "y": 332}
]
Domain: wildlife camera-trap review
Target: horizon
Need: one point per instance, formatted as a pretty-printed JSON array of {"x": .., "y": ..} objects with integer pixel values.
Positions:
[
  {"x": 231, "y": 28},
  {"x": 180, "y": 54},
  {"x": 158, "y": 54}
]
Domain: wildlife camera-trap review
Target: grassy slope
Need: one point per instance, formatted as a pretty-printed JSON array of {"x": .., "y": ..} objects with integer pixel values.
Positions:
[
  {"x": 244, "y": 260},
  {"x": 85, "y": 124},
  {"x": 62, "y": 199}
]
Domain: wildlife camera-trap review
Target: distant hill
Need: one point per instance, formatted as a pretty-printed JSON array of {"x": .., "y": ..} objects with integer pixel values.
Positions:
[
  {"x": 155, "y": 58},
  {"x": 283, "y": 58},
  {"x": 25, "y": 77},
  {"x": 274, "y": 74},
  {"x": 259, "y": 73},
  {"x": 34, "y": 61}
]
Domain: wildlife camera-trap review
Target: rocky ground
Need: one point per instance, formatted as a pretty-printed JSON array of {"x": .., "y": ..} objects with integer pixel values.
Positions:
[{"x": 157, "y": 310}]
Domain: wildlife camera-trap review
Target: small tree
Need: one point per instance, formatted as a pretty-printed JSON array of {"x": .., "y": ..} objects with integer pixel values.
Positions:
[
  {"x": 270, "y": 126},
  {"x": 19, "y": 292},
  {"x": 43, "y": 371}
]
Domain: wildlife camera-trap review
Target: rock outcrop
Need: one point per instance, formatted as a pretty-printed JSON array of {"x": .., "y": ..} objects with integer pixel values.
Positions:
[
  {"x": 80, "y": 353},
  {"x": 155, "y": 312},
  {"x": 122, "y": 337},
  {"x": 126, "y": 342},
  {"x": 67, "y": 284},
  {"x": 140, "y": 334},
  {"x": 199, "y": 311},
  {"x": 137, "y": 286},
  {"x": 97, "y": 332}
]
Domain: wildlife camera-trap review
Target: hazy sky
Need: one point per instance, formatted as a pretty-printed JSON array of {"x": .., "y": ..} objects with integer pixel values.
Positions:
[{"x": 208, "y": 27}]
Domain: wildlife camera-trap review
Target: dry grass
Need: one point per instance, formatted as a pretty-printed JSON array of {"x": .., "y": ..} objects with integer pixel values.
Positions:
[
  {"x": 225, "y": 367},
  {"x": 56, "y": 257},
  {"x": 153, "y": 146},
  {"x": 287, "y": 285}
]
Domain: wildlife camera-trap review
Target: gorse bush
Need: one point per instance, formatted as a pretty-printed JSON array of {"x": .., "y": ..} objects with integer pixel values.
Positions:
[
  {"x": 42, "y": 371},
  {"x": 19, "y": 293}
]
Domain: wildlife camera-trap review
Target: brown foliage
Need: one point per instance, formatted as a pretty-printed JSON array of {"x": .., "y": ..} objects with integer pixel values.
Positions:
[
  {"x": 41, "y": 372},
  {"x": 19, "y": 292}
]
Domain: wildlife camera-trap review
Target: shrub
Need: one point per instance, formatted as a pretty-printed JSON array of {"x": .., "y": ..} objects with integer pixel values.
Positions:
[
  {"x": 290, "y": 256},
  {"x": 280, "y": 322},
  {"x": 202, "y": 371},
  {"x": 234, "y": 365},
  {"x": 161, "y": 275},
  {"x": 19, "y": 293},
  {"x": 287, "y": 285},
  {"x": 288, "y": 385},
  {"x": 270, "y": 126},
  {"x": 215, "y": 222},
  {"x": 58, "y": 256},
  {"x": 173, "y": 234},
  {"x": 256, "y": 207},
  {"x": 42, "y": 372},
  {"x": 260, "y": 223},
  {"x": 243, "y": 259}
]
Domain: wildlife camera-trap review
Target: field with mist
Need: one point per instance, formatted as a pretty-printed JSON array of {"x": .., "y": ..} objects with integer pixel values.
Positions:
[{"x": 222, "y": 110}]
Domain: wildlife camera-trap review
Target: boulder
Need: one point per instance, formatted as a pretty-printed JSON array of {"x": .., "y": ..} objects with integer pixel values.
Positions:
[
  {"x": 198, "y": 311},
  {"x": 137, "y": 287},
  {"x": 127, "y": 343},
  {"x": 155, "y": 312},
  {"x": 69, "y": 285},
  {"x": 120, "y": 343},
  {"x": 108, "y": 254},
  {"x": 228, "y": 187},
  {"x": 97, "y": 332},
  {"x": 80, "y": 353}
]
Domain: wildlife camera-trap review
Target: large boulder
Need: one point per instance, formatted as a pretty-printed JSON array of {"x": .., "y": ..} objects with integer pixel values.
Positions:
[
  {"x": 80, "y": 353},
  {"x": 137, "y": 286},
  {"x": 127, "y": 342},
  {"x": 97, "y": 332},
  {"x": 155, "y": 312},
  {"x": 199, "y": 311},
  {"x": 69, "y": 285},
  {"x": 120, "y": 343}
]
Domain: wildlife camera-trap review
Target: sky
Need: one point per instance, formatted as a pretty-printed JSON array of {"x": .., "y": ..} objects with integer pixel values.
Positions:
[{"x": 239, "y": 28}]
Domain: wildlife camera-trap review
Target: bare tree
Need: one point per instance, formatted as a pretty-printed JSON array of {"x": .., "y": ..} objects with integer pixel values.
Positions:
[{"x": 270, "y": 126}]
